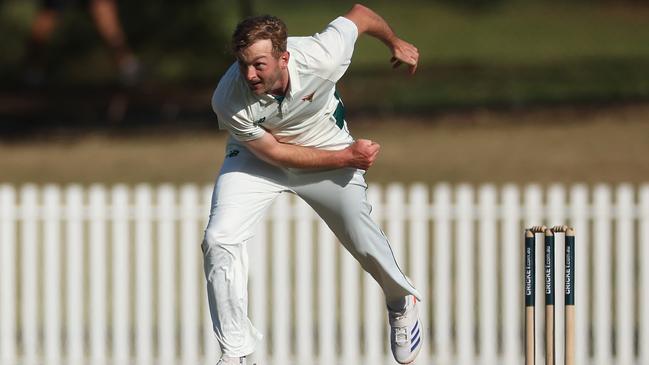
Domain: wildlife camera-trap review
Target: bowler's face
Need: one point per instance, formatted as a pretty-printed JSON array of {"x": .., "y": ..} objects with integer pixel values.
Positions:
[{"x": 261, "y": 69}]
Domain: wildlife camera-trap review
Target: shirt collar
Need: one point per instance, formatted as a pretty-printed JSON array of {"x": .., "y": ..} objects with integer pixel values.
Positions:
[{"x": 293, "y": 76}]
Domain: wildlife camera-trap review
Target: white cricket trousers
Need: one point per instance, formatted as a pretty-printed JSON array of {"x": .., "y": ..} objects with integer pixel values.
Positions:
[{"x": 245, "y": 187}]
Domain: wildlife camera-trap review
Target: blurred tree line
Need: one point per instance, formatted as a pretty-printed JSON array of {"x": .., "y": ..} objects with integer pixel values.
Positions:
[
  {"x": 474, "y": 53},
  {"x": 193, "y": 32},
  {"x": 180, "y": 41},
  {"x": 177, "y": 40}
]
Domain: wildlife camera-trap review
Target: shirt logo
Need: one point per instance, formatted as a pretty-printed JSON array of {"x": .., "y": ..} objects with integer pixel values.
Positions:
[
  {"x": 232, "y": 153},
  {"x": 258, "y": 122},
  {"x": 309, "y": 97}
]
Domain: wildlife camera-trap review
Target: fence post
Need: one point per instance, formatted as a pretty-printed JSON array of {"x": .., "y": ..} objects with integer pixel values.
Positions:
[
  {"x": 51, "y": 273},
  {"x": 97, "y": 281},
  {"x": 29, "y": 282},
  {"x": 121, "y": 273},
  {"x": 556, "y": 207},
  {"x": 512, "y": 282},
  {"x": 464, "y": 265},
  {"x": 441, "y": 256},
  {"x": 7, "y": 274},
  {"x": 74, "y": 279},
  {"x": 189, "y": 253},
  {"x": 488, "y": 277},
  {"x": 643, "y": 298},
  {"x": 143, "y": 274},
  {"x": 624, "y": 274},
  {"x": 166, "y": 238},
  {"x": 533, "y": 205},
  {"x": 602, "y": 277}
]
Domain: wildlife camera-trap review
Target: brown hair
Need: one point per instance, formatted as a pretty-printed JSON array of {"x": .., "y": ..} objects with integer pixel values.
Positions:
[{"x": 257, "y": 28}]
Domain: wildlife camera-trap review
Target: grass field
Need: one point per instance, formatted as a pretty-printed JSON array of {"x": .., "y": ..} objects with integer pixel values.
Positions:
[
  {"x": 546, "y": 145},
  {"x": 514, "y": 53},
  {"x": 530, "y": 32}
]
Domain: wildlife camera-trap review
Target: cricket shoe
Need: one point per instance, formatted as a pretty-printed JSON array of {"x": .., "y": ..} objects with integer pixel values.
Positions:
[
  {"x": 405, "y": 332},
  {"x": 232, "y": 361}
]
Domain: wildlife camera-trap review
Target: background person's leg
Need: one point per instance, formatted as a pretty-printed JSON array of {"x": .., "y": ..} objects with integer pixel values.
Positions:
[
  {"x": 106, "y": 17},
  {"x": 42, "y": 29}
]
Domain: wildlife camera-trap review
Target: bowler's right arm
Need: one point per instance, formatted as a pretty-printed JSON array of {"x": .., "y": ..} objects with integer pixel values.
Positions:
[{"x": 361, "y": 154}]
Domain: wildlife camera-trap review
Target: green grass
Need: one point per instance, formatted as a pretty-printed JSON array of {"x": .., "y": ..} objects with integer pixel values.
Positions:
[
  {"x": 518, "y": 53},
  {"x": 445, "y": 86},
  {"x": 515, "y": 53},
  {"x": 518, "y": 32}
]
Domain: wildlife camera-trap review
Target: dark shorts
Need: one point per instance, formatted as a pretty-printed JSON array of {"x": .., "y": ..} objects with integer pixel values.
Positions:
[{"x": 61, "y": 4}]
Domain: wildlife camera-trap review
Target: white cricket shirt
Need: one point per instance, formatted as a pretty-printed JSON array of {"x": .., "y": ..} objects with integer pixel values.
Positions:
[{"x": 311, "y": 114}]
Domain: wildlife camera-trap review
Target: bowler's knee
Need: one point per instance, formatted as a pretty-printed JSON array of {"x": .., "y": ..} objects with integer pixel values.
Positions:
[
  {"x": 212, "y": 240},
  {"x": 219, "y": 256},
  {"x": 223, "y": 232}
]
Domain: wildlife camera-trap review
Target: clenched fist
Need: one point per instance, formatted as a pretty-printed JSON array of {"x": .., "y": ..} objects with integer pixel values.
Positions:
[{"x": 363, "y": 153}]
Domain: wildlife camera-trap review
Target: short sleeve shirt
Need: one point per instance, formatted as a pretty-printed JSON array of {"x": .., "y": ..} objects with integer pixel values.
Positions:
[{"x": 311, "y": 113}]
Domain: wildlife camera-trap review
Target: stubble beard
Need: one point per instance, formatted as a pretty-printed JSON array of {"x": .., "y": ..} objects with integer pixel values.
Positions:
[{"x": 272, "y": 82}]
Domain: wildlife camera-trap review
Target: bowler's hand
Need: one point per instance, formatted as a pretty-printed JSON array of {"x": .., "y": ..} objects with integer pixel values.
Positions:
[
  {"x": 404, "y": 52},
  {"x": 363, "y": 153}
]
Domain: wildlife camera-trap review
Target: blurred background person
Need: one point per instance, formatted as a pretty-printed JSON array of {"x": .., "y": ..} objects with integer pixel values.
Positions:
[{"x": 105, "y": 16}]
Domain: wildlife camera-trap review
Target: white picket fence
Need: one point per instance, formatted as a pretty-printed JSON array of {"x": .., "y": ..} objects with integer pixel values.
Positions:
[{"x": 114, "y": 275}]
